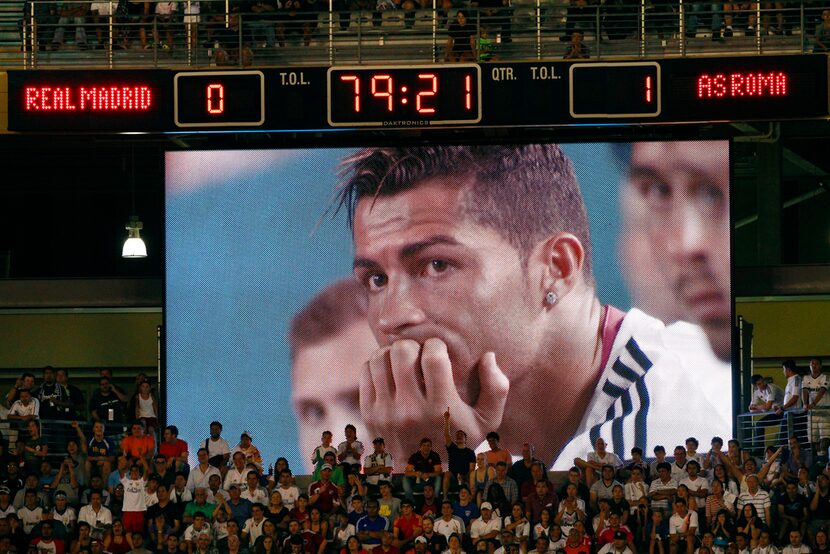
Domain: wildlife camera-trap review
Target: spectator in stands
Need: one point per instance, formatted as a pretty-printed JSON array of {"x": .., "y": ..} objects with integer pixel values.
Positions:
[
  {"x": 25, "y": 408},
  {"x": 371, "y": 527},
  {"x": 167, "y": 508},
  {"x": 138, "y": 445},
  {"x": 101, "y": 13},
  {"x": 96, "y": 515},
  {"x": 121, "y": 470},
  {"x": 237, "y": 508},
  {"x": 139, "y": 17},
  {"x": 571, "y": 509},
  {"x": 662, "y": 489},
  {"x": 218, "y": 450},
  {"x": 607, "y": 534},
  {"x": 118, "y": 541},
  {"x": 25, "y": 381},
  {"x": 64, "y": 513},
  {"x": 35, "y": 448},
  {"x": 822, "y": 34},
  {"x": 161, "y": 472},
  {"x": 50, "y": 395},
  {"x": 636, "y": 487},
  {"x": 214, "y": 488},
  {"x": 814, "y": 395},
  {"x": 143, "y": 406},
  {"x": 72, "y": 404},
  {"x": 497, "y": 14},
  {"x": 603, "y": 488},
  {"x": 449, "y": 523},
  {"x": 480, "y": 476},
  {"x": 820, "y": 506},
  {"x": 105, "y": 404},
  {"x": 287, "y": 489},
  {"x": 249, "y": 451},
  {"x": 166, "y": 19},
  {"x": 377, "y": 466},
  {"x": 389, "y": 506},
  {"x": 540, "y": 499},
  {"x": 30, "y": 512},
  {"x": 253, "y": 492},
  {"x": 574, "y": 477},
  {"x": 460, "y": 39},
  {"x": 325, "y": 440},
  {"x": 436, "y": 542},
  {"x": 252, "y": 529},
  {"x": 520, "y": 471},
  {"x": 350, "y": 451},
  {"x": 135, "y": 496},
  {"x": 66, "y": 480},
  {"x": 596, "y": 459},
  {"x": 508, "y": 485},
  {"x": 200, "y": 475},
  {"x": 46, "y": 541},
  {"x": 233, "y": 49},
  {"x": 683, "y": 528},
  {"x": 765, "y": 397},
  {"x": 75, "y": 12},
  {"x": 238, "y": 473},
  {"x": 430, "y": 504},
  {"x": 757, "y": 497},
  {"x": 486, "y": 528},
  {"x": 262, "y": 22},
  {"x": 460, "y": 458},
  {"x": 6, "y": 506},
  {"x": 423, "y": 466},
  {"x": 518, "y": 525},
  {"x": 174, "y": 450}
]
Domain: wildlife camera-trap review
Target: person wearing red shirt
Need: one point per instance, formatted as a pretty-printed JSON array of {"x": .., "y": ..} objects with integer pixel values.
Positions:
[
  {"x": 386, "y": 546},
  {"x": 606, "y": 535},
  {"x": 323, "y": 493},
  {"x": 407, "y": 526},
  {"x": 575, "y": 544},
  {"x": 174, "y": 449}
]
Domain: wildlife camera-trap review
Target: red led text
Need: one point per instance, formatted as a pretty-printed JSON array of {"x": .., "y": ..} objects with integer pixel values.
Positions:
[
  {"x": 736, "y": 85},
  {"x": 68, "y": 99}
]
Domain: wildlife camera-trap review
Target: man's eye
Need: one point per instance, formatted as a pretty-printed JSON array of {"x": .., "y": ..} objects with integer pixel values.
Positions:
[
  {"x": 376, "y": 281},
  {"x": 436, "y": 267}
]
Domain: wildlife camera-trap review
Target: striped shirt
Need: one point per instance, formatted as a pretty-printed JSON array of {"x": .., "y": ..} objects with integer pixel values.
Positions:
[{"x": 760, "y": 499}]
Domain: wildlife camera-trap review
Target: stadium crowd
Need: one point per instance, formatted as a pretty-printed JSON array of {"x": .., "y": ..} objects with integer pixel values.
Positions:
[{"x": 139, "y": 495}]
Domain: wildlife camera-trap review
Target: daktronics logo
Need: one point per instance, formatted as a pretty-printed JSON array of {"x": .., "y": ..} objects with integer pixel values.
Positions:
[
  {"x": 737, "y": 85},
  {"x": 138, "y": 98}
]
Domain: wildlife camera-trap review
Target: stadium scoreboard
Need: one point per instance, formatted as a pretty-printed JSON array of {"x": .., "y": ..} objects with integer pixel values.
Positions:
[{"x": 542, "y": 93}]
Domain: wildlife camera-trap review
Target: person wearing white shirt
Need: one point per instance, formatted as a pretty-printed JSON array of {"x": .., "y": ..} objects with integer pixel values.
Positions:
[
  {"x": 814, "y": 395},
  {"x": 219, "y": 452},
  {"x": 635, "y": 488},
  {"x": 796, "y": 546},
  {"x": 30, "y": 513},
  {"x": 765, "y": 545},
  {"x": 596, "y": 459},
  {"x": 378, "y": 464},
  {"x": 288, "y": 490},
  {"x": 25, "y": 407},
  {"x": 678, "y": 467},
  {"x": 790, "y": 411},
  {"x": 697, "y": 485},
  {"x": 200, "y": 475},
  {"x": 98, "y": 517},
  {"x": 486, "y": 527},
  {"x": 237, "y": 474},
  {"x": 253, "y": 526},
  {"x": 683, "y": 527},
  {"x": 448, "y": 523},
  {"x": 253, "y": 491},
  {"x": 135, "y": 499}
]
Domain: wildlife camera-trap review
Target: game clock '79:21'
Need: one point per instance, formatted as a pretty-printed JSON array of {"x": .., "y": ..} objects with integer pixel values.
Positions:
[{"x": 394, "y": 95}]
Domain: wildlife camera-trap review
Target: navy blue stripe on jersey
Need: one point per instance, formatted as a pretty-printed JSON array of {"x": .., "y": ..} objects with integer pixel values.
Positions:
[
  {"x": 609, "y": 415},
  {"x": 612, "y": 390},
  {"x": 638, "y": 355},
  {"x": 640, "y": 431},
  {"x": 617, "y": 425},
  {"x": 624, "y": 371}
]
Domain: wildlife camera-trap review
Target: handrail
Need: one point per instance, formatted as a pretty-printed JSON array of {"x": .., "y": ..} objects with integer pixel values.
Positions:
[{"x": 524, "y": 29}]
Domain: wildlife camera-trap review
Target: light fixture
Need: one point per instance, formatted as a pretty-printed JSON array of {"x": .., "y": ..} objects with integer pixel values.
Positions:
[{"x": 134, "y": 246}]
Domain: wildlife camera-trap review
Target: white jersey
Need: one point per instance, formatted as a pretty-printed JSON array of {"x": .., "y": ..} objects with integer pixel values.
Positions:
[
  {"x": 814, "y": 385},
  {"x": 654, "y": 374}
]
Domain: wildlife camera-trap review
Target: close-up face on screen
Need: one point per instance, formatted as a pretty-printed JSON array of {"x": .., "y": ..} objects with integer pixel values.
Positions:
[{"x": 554, "y": 294}]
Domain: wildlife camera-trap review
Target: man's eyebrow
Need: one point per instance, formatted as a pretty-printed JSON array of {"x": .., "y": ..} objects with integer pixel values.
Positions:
[{"x": 409, "y": 250}]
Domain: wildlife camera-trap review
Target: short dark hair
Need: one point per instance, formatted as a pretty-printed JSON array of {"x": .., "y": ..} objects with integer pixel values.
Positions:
[
  {"x": 790, "y": 364},
  {"x": 664, "y": 465},
  {"x": 173, "y": 430},
  {"x": 637, "y": 450},
  {"x": 717, "y": 440},
  {"x": 525, "y": 192},
  {"x": 693, "y": 441},
  {"x": 327, "y": 315},
  {"x": 755, "y": 378},
  {"x": 659, "y": 448}
]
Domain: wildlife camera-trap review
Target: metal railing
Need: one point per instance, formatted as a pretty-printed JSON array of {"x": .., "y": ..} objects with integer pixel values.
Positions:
[
  {"x": 523, "y": 29},
  {"x": 757, "y": 430}
]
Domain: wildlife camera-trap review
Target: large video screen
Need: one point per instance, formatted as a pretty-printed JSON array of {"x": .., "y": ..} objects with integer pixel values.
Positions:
[{"x": 551, "y": 293}]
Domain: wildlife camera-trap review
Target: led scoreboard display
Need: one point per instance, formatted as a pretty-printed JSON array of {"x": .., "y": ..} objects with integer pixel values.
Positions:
[{"x": 434, "y": 95}]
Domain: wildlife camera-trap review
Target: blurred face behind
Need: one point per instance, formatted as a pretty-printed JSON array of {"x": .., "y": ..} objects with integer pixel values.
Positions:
[
  {"x": 343, "y": 354},
  {"x": 681, "y": 192}
]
